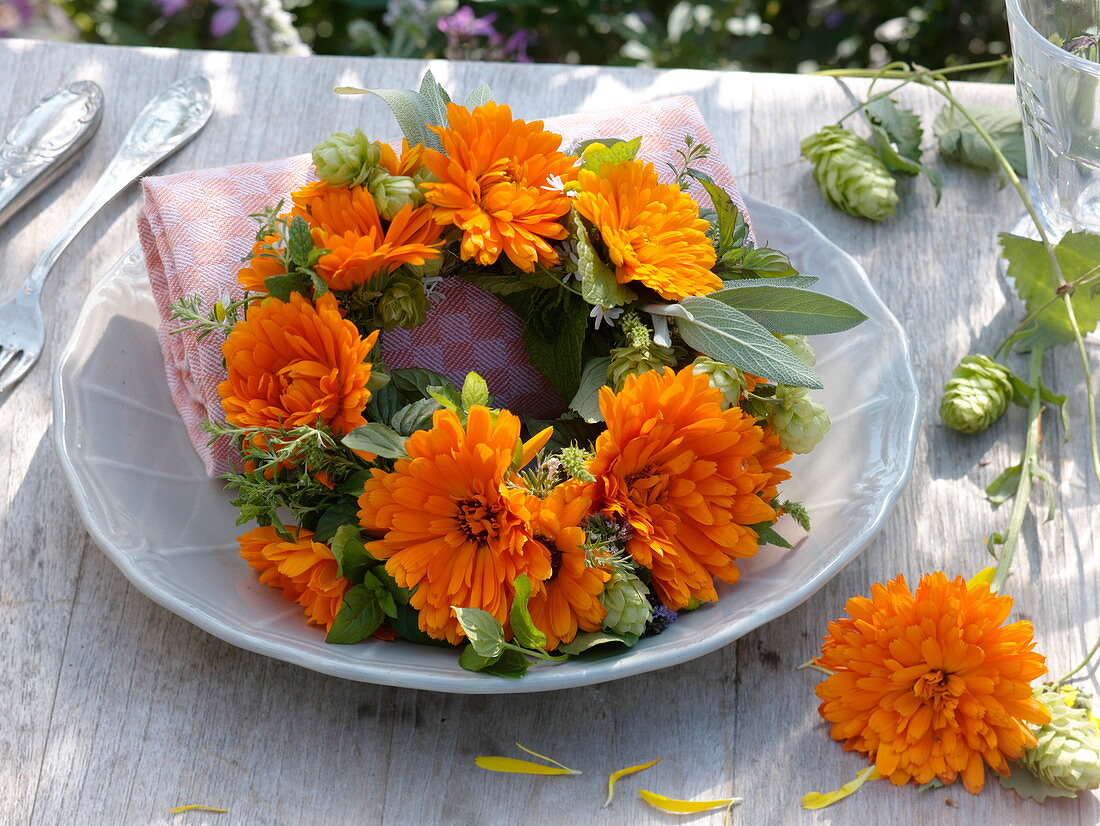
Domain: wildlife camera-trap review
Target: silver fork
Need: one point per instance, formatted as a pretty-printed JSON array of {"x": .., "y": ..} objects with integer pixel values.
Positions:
[{"x": 166, "y": 123}]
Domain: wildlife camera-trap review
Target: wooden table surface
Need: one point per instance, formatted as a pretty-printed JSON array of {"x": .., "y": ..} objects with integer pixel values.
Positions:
[{"x": 115, "y": 710}]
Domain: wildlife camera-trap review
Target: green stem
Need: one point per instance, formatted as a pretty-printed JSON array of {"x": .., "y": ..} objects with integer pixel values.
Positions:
[
  {"x": 1027, "y": 462},
  {"x": 1092, "y": 652}
]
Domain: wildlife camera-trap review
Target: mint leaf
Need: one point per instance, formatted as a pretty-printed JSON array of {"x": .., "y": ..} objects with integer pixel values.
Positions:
[
  {"x": 511, "y": 283},
  {"x": 415, "y": 416},
  {"x": 760, "y": 262},
  {"x": 614, "y": 151},
  {"x": 475, "y": 390},
  {"x": 299, "y": 244},
  {"x": 732, "y": 228},
  {"x": 483, "y": 630},
  {"x": 352, "y": 558},
  {"x": 413, "y": 382},
  {"x": 523, "y": 627},
  {"x": 598, "y": 283},
  {"x": 359, "y": 617},
  {"x": 553, "y": 334},
  {"x": 590, "y": 639},
  {"x": 1030, "y": 271},
  {"x": 792, "y": 311},
  {"x": 586, "y": 402},
  {"x": 960, "y": 141},
  {"x": 281, "y": 286},
  {"x": 377, "y": 439},
  {"x": 730, "y": 336},
  {"x": 344, "y": 512},
  {"x": 511, "y": 664}
]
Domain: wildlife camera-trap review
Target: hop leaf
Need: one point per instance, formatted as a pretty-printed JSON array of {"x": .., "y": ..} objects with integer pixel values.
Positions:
[
  {"x": 1067, "y": 756},
  {"x": 346, "y": 160},
  {"x": 628, "y": 610},
  {"x": 851, "y": 175},
  {"x": 976, "y": 395},
  {"x": 798, "y": 421}
]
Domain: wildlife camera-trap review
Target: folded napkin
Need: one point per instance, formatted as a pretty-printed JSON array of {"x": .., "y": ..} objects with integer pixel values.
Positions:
[{"x": 195, "y": 230}]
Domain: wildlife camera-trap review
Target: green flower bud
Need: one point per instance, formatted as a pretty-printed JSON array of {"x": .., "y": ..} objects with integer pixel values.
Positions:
[
  {"x": 404, "y": 303},
  {"x": 574, "y": 461},
  {"x": 976, "y": 395},
  {"x": 393, "y": 192},
  {"x": 628, "y": 610},
  {"x": 728, "y": 380},
  {"x": 1068, "y": 753},
  {"x": 346, "y": 160},
  {"x": 640, "y": 353},
  {"x": 800, "y": 346},
  {"x": 798, "y": 421},
  {"x": 851, "y": 175}
]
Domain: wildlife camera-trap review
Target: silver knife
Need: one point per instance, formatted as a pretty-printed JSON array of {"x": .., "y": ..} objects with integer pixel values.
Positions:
[{"x": 45, "y": 142}]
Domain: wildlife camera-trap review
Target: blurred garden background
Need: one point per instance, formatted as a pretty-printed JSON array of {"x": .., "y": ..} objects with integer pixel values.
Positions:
[{"x": 760, "y": 35}]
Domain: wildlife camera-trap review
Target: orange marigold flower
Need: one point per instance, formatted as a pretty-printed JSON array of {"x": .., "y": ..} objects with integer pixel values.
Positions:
[
  {"x": 453, "y": 524},
  {"x": 652, "y": 231},
  {"x": 304, "y": 570},
  {"x": 295, "y": 363},
  {"x": 345, "y": 221},
  {"x": 687, "y": 476},
  {"x": 261, "y": 267},
  {"x": 570, "y": 598},
  {"x": 493, "y": 184},
  {"x": 409, "y": 164},
  {"x": 933, "y": 684}
]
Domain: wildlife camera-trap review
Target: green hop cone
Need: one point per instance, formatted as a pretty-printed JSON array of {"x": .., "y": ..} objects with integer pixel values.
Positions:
[
  {"x": 393, "y": 192},
  {"x": 851, "y": 175},
  {"x": 346, "y": 160},
  {"x": 798, "y": 421},
  {"x": 628, "y": 610},
  {"x": 976, "y": 395},
  {"x": 1068, "y": 753},
  {"x": 640, "y": 353},
  {"x": 404, "y": 303},
  {"x": 574, "y": 461},
  {"x": 800, "y": 346},
  {"x": 729, "y": 381}
]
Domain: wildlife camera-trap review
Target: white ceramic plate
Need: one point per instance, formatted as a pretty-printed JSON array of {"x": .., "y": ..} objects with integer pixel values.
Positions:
[{"x": 146, "y": 500}]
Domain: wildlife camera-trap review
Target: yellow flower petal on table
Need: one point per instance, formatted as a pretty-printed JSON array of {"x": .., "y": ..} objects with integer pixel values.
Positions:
[
  {"x": 984, "y": 576},
  {"x": 684, "y": 807},
  {"x": 621, "y": 773},
  {"x": 197, "y": 808},
  {"x": 817, "y": 800},
  {"x": 513, "y": 765}
]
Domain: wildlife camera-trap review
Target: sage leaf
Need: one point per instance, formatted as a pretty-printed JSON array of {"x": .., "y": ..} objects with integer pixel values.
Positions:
[
  {"x": 960, "y": 141},
  {"x": 377, "y": 439},
  {"x": 792, "y": 311},
  {"x": 481, "y": 94},
  {"x": 435, "y": 100},
  {"x": 483, "y": 630},
  {"x": 411, "y": 111},
  {"x": 586, "y": 402},
  {"x": 523, "y": 627},
  {"x": 729, "y": 335},
  {"x": 780, "y": 281},
  {"x": 359, "y": 616}
]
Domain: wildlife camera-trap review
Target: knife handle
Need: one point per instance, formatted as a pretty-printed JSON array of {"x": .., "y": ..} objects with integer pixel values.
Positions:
[{"x": 45, "y": 142}]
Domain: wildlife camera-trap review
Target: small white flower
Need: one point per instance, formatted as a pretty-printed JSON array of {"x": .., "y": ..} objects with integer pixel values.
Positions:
[
  {"x": 608, "y": 314},
  {"x": 555, "y": 184},
  {"x": 431, "y": 283}
]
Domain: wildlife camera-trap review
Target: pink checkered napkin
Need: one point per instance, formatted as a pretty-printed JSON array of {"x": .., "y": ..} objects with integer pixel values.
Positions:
[{"x": 195, "y": 230}]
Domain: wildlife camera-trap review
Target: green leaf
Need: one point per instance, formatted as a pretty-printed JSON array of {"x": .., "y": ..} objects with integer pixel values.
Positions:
[
  {"x": 612, "y": 153},
  {"x": 894, "y": 160},
  {"x": 413, "y": 382},
  {"x": 380, "y": 593},
  {"x": 511, "y": 283},
  {"x": 782, "y": 281},
  {"x": 299, "y": 243},
  {"x": 554, "y": 338},
  {"x": 511, "y": 664},
  {"x": 900, "y": 126},
  {"x": 435, "y": 100},
  {"x": 353, "y": 485},
  {"x": 359, "y": 617},
  {"x": 730, "y": 336},
  {"x": 407, "y": 625},
  {"x": 568, "y": 430},
  {"x": 960, "y": 141},
  {"x": 415, "y": 416},
  {"x": 344, "y": 512},
  {"x": 480, "y": 95},
  {"x": 586, "y": 402},
  {"x": 1004, "y": 487},
  {"x": 483, "y": 630},
  {"x": 761, "y": 262},
  {"x": 378, "y": 439},
  {"x": 598, "y": 283},
  {"x": 792, "y": 311},
  {"x": 384, "y": 403},
  {"x": 590, "y": 639},
  {"x": 1030, "y": 787},
  {"x": 411, "y": 110},
  {"x": 473, "y": 661},
  {"x": 352, "y": 558},
  {"x": 767, "y": 535},
  {"x": 475, "y": 390},
  {"x": 523, "y": 627},
  {"x": 446, "y": 396},
  {"x": 281, "y": 286},
  {"x": 1030, "y": 271},
  {"x": 729, "y": 216}
]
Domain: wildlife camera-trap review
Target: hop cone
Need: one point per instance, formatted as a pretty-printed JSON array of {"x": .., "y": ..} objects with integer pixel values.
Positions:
[
  {"x": 798, "y": 420},
  {"x": 404, "y": 303},
  {"x": 1068, "y": 754},
  {"x": 392, "y": 192},
  {"x": 640, "y": 353},
  {"x": 728, "y": 380},
  {"x": 850, "y": 174},
  {"x": 976, "y": 395},
  {"x": 628, "y": 610},
  {"x": 800, "y": 346},
  {"x": 345, "y": 160}
]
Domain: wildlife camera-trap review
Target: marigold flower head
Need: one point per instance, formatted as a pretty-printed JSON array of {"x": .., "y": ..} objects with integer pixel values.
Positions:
[
  {"x": 688, "y": 476},
  {"x": 292, "y": 363},
  {"x": 491, "y": 184},
  {"x": 652, "y": 231},
  {"x": 452, "y": 523},
  {"x": 262, "y": 266},
  {"x": 932, "y": 684},
  {"x": 570, "y": 598},
  {"x": 304, "y": 570},
  {"x": 346, "y": 222}
]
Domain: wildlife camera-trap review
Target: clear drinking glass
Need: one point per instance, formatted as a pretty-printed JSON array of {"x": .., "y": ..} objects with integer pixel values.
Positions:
[{"x": 1058, "y": 88}]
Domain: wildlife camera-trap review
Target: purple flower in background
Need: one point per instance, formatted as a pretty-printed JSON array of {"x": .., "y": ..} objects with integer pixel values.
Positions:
[
  {"x": 14, "y": 13},
  {"x": 170, "y": 8},
  {"x": 470, "y": 37},
  {"x": 516, "y": 46},
  {"x": 225, "y": 19},
  {"x": 834, "y": 18},
  {"x": 465, "y": 25}
]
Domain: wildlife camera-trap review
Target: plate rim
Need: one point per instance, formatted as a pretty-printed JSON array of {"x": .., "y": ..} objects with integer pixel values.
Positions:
[{"x": 611, "y": 668}]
